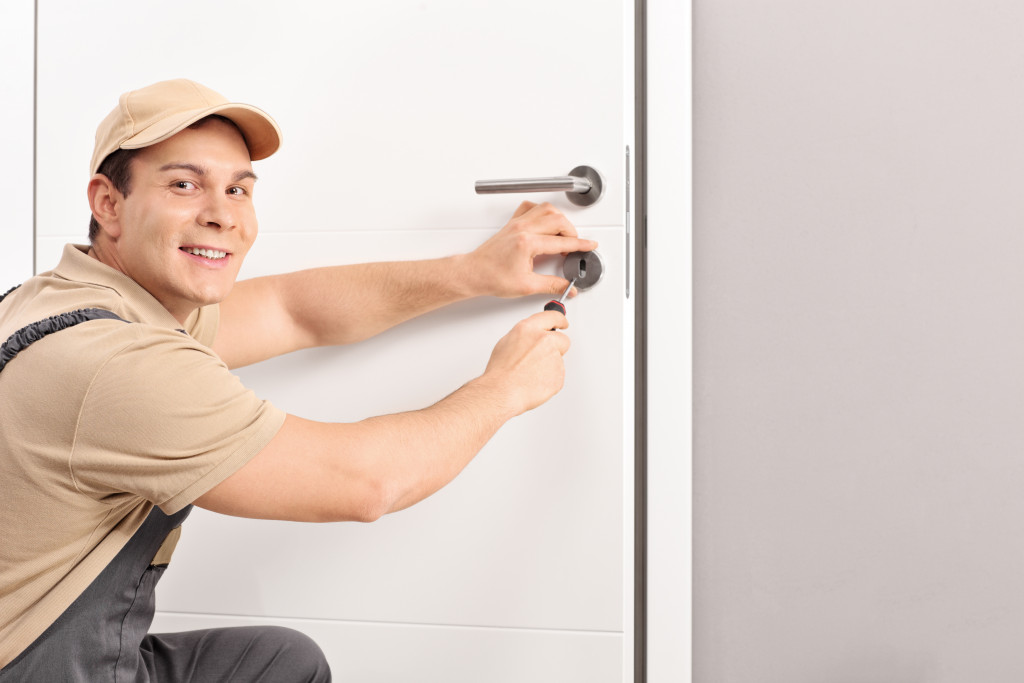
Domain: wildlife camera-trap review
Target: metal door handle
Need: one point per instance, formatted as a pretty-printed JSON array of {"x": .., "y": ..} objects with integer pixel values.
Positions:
[{"x": 583, "y": 186}]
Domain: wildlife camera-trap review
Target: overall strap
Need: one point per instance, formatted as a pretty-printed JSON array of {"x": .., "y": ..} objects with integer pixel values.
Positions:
[
  {"x": 4, "y": 295},
  {"x": 20, "y": 340}
]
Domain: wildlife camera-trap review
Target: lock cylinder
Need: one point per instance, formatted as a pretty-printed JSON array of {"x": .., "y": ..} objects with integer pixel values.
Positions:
[{"x": 586, "y": 267}]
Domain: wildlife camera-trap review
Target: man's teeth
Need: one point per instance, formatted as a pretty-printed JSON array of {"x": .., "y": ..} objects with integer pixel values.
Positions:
[{"x": 206, "y": 253}]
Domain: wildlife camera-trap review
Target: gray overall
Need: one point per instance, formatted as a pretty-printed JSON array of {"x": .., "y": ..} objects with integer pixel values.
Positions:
[{"x": 102, "y": 637}]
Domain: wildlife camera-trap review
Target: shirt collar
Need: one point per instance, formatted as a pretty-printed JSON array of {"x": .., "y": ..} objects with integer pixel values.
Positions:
[{"x": 140, "y": 306}]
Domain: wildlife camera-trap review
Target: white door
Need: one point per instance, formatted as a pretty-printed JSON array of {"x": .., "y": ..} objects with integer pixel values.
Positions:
[{"x": 522, "y": 569}]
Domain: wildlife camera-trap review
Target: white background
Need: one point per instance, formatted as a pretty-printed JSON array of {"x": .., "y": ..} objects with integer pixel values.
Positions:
[{"x": 17, "y": 30}]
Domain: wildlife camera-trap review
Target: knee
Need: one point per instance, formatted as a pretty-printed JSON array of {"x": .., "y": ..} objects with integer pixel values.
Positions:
[{"x": 299, "y": 655}]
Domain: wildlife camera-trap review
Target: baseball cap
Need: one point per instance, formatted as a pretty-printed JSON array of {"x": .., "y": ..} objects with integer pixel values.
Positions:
[{"x": 152, "y": 114}]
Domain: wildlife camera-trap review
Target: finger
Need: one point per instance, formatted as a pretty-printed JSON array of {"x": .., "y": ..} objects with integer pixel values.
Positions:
[
  {"x": 548, "y": 320},
  {"x": 562, "y": 343},
  {"x": 545, "y": 219},
  {"x": 556, "y": 224},
  {"x": 550, "y": 284},
  {"x": 523, "y": 208},
  {"x": 551, "y": 244}
]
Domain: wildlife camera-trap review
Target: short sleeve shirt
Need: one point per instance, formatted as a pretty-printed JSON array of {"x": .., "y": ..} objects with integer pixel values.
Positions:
[{"x": 99, "y": 423}]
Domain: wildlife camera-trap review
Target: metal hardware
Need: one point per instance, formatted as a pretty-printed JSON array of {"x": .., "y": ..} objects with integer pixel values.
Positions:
[
  {"x": 586, "y": 266},
  {"x": 628, "y": 219},
  {"x": 583, "y": 186}
]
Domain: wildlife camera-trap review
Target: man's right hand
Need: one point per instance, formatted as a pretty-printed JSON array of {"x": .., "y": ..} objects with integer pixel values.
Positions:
[{"x": 527, "y": 362}]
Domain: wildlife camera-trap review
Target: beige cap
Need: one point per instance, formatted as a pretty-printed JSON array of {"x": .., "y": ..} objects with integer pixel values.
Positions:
[{"x": 152, "y": 114}]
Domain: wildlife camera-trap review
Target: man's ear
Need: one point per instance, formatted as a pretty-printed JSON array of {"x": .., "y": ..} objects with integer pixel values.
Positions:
[{"x": 106, "y": 204}]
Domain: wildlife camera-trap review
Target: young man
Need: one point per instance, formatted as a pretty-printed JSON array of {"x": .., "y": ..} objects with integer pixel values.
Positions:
[{"x": 120, "y": 411}]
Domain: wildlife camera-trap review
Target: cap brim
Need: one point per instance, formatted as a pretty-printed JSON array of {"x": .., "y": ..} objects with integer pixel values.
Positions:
[{"x": 262, "y": 136}]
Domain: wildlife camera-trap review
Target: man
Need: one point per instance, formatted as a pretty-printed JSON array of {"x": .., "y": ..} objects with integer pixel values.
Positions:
[{"x": 119, "y": 410}]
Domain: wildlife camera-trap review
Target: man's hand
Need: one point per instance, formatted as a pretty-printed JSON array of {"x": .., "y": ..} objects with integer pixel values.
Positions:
[
  {"x": 503, "y": 265},
  {"x": 526, "y": 366}
]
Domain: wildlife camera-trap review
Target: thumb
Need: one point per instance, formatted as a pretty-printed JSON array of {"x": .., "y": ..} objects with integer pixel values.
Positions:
[{"x": 551, "y": 284}]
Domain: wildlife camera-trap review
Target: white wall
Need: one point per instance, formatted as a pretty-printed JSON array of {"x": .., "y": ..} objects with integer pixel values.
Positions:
[
  {"x": 858, "y": 337},
  {"x": 17, "y": 44}
]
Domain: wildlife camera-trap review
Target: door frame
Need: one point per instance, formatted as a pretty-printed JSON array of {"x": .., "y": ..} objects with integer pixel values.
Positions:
[{"x": 664, "y": 328}]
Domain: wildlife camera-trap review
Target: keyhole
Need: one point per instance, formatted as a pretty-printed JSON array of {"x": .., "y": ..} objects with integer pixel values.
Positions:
[{"x": 584, "y": 268}]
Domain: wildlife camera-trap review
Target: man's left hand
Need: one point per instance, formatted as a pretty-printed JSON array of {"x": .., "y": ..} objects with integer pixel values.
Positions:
[{"x": 503, "y": 265}]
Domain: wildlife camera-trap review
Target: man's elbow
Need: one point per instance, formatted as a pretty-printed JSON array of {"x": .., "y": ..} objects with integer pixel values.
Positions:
[
  {"x": 368, "y": 502},
  {"x": 372, "y": 509}
]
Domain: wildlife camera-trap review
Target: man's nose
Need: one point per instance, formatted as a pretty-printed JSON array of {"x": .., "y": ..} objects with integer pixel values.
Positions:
[{"x": 217, "y": 212}]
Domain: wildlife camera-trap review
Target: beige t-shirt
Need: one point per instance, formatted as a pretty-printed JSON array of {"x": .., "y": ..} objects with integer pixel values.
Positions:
[{"x": 99, "y": 423}]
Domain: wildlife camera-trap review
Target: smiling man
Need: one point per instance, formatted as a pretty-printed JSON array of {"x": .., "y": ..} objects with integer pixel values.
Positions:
[
  {"x": 120, "y": 411},
  {"x": 188, "y": 220}
]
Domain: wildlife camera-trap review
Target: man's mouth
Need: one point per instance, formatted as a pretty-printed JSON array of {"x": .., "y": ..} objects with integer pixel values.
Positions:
[{"x": 212, "y": 254}]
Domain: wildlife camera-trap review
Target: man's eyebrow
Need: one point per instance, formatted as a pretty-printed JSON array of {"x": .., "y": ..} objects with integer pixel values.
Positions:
[{"x": 200, "y": 171}]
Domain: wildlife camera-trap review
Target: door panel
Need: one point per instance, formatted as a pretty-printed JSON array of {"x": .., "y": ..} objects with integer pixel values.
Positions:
[
  {"x": 390, "y": 113},
  {"x": 386, "y": 653}
]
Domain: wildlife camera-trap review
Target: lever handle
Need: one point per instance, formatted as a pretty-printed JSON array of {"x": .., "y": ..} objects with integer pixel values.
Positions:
[{"x": 583, "y": 186}]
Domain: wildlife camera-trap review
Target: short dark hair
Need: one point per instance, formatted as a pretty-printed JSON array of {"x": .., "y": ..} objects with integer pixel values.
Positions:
[{"x": 118, "y": 167}]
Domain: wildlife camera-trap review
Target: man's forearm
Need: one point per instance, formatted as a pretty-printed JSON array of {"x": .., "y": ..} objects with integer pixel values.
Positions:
[
  {"x": 525, "y": 369},
  {"x": 325, "y": 472},
  {"x": 269, "y": 316},
  {"x": 419, "y": 452},
  {"x": 346, "y": 304}
]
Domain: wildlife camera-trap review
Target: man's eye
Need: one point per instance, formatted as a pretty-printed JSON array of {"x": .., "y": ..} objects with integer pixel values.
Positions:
[
  {"x": 184, "y": 185},
  {"x": 236, "y": 190}
]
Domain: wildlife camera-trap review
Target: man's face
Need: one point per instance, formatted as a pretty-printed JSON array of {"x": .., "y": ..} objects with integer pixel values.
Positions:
[{"x": 188, "y": 220}]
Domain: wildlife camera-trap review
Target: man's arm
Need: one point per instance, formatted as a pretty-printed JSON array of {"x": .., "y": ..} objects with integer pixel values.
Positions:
[
  {"x": 269, "y": 316},
  {"x": 312, "y": 471}
]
